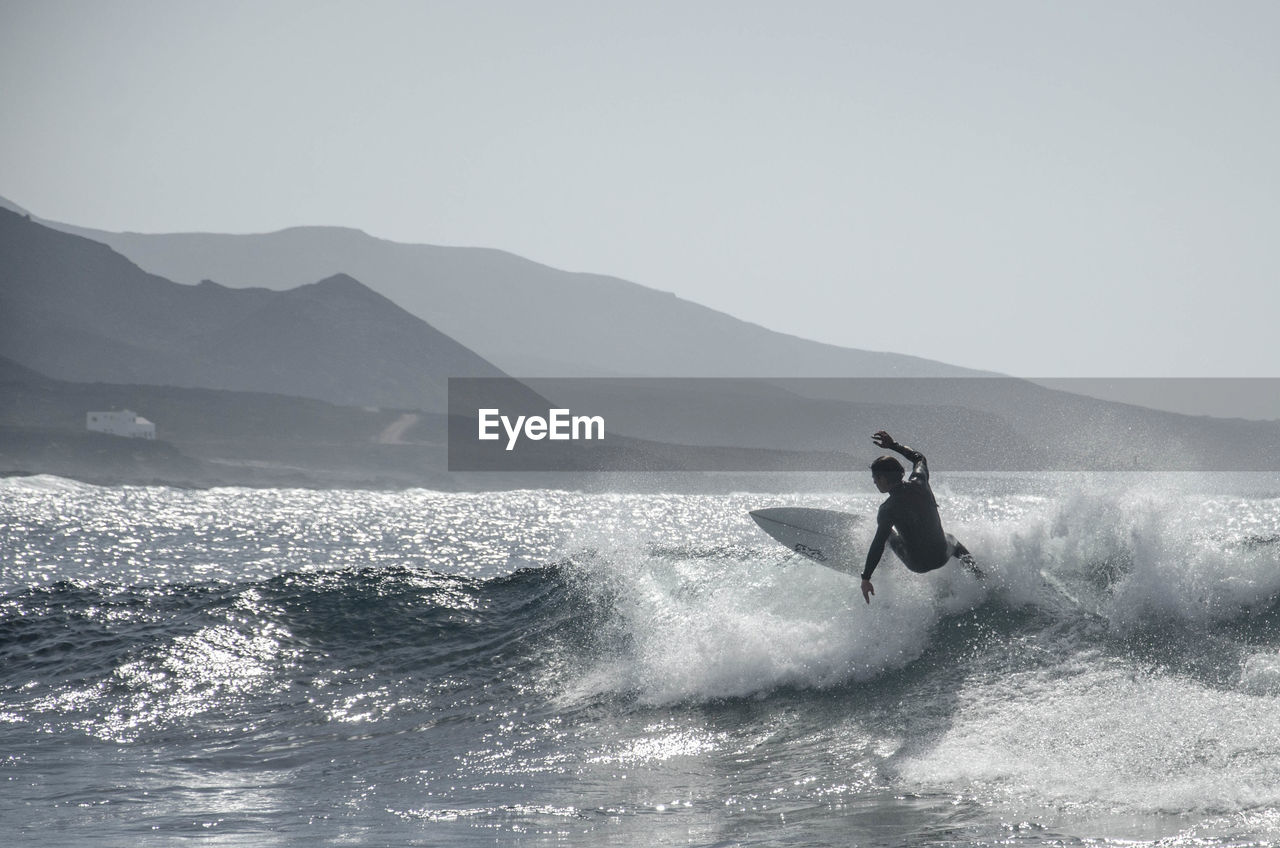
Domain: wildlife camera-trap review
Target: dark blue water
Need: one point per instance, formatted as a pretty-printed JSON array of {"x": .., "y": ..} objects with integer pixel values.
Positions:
[{"x": 289, "y": 667}]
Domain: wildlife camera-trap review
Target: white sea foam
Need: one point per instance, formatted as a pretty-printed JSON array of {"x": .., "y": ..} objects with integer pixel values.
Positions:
[
  {"x": 1260, "y": 674},
  {"x": 700, "y": 629},
  {"x": 1110, "y": 738},
  {"x": 1134, "y": 554}
]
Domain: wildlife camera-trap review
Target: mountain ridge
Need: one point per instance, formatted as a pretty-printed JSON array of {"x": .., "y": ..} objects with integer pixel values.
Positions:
[
  {"x": 76, "y": 309},
  {"x": 528, "y": 318}
]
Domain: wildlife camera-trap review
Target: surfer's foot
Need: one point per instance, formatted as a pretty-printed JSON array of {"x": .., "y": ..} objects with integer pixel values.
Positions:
[
  {"x": 962, "y": 553},
  {"x": 972, "y": 566}
]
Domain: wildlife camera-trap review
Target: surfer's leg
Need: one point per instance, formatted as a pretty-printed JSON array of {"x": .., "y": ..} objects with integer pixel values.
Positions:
[
  {"x": 899, "y": 548},
  {"x": 954, "y": 548}
]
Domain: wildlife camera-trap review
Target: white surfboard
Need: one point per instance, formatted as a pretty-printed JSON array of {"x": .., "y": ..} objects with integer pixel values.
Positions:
[{"x": 823, "y": 535}]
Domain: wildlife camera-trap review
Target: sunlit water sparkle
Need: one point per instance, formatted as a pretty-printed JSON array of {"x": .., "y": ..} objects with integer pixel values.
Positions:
[{"x": 286, "y": 667}]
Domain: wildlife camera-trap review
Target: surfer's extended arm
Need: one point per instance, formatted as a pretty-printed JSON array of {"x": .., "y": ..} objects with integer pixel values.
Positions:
[
  {"x": 873, "y": 558},
  {"x": 876, "y": 550}
]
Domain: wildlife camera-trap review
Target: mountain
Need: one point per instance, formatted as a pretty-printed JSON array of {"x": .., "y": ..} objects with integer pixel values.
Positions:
[
  {"x": 76, "y": 310},
  {"x": 5, "y": 203},
  {"x": 528, "y": 319}
]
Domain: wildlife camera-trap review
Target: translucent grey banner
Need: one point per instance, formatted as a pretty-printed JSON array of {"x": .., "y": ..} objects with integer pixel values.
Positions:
[{"x": 825, "y": 424}]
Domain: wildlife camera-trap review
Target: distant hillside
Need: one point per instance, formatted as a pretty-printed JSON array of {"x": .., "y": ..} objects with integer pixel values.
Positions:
[
  {"x": 207, "y": 437},
  {"x": 5, "y": 203},
  {"x": 74, "y": 309},
  {"x": 529, "y": 319}
]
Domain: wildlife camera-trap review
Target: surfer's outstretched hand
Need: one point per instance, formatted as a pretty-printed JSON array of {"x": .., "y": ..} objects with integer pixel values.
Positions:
[
  {"x": 867, "y": 590},
  {"x": 883, "y": 439}
]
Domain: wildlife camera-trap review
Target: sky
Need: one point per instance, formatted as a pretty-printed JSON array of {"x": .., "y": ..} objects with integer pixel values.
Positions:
[{"x": 1052, "y": 189}]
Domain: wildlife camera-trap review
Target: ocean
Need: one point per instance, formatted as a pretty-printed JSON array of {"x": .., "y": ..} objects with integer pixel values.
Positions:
[{"x": 291, "y": 668}]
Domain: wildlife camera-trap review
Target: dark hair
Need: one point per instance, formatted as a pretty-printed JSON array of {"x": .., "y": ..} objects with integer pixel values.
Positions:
[{"x": 888, "y": 465}]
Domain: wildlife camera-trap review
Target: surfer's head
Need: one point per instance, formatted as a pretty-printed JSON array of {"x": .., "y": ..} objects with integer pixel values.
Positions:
[{"x": 887, "y": 472}]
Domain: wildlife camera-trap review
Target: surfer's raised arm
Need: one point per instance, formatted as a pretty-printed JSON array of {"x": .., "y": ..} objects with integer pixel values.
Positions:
[{"x": 919, "y": 467}]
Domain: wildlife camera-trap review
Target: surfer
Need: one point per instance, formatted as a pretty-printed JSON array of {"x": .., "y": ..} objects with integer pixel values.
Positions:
[{"x": 908, "y": 519}]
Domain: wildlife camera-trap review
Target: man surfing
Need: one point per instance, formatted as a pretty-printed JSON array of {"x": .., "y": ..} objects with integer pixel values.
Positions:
[{"x": 908, "y": 519}]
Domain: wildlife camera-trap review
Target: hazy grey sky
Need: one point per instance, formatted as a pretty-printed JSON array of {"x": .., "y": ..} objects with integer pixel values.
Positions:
[{"x": 1042, "y": 189}]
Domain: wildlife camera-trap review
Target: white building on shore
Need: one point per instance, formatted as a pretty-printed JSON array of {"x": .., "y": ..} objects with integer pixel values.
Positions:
[{"x": 123, "y": 423}]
